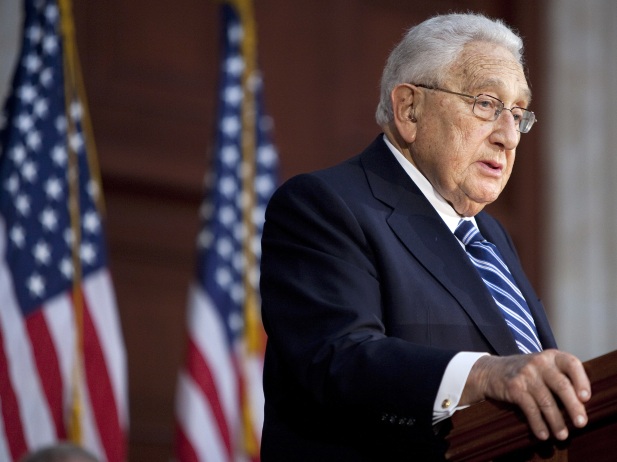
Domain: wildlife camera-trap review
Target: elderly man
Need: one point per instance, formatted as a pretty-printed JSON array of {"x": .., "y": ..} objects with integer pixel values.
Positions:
[{"x": 390, "y": 298}]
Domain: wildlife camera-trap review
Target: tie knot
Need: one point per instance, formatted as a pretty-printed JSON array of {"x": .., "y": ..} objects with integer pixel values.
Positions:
[{"x": 467, "y": 233}]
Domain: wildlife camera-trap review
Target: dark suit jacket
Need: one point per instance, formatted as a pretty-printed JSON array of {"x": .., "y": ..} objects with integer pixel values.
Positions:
[{"x": 366, "y": 296}]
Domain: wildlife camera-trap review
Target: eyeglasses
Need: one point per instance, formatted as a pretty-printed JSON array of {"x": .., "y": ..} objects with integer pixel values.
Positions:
[{"x": 487, "y": 107}]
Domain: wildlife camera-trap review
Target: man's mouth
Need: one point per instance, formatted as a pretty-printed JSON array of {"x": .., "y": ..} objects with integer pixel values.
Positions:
[{"x": 492, "y": 164}]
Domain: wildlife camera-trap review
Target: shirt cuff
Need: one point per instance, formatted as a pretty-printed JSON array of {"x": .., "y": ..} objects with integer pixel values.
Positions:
[{"x": 452, "y": 384}]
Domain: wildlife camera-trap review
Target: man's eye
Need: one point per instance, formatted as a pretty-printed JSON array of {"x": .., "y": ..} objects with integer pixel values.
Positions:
[
  {"x": 485, "y": 104},
  {"x": 517, "y": 113}
]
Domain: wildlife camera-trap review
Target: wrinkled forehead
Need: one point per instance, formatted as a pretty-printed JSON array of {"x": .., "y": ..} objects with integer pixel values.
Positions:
[{"x": 483, "y": 66}]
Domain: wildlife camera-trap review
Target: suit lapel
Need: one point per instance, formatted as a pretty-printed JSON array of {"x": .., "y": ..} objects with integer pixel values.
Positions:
[{"x": 428, "y": 239}]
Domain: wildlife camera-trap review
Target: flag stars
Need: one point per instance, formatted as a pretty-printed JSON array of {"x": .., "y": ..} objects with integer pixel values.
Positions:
[
  {"x": 76, "y": 111},
  {"x": 254, "y": 276},
  {"x": 76, "y": 142},
  {"x": 223, "y": 277},
  {"x": 50, "y": 44},
  {"x": 87, "y": 253},
  {"x": 59, "y": 155},
  {"x": 230, "y": 126},
  {"x": 91, "y": 222},
  {"x": 228, "y": 186},
  {"x": 233, "y": 95},
  {"x": 53, "y": 189},
  {"x": 266, "y": 124},
  {"x": 49, "y": 219},
  {"x": 12, "y": 184},
  {"x": 205, "y": 210},
  {"x": 18, "y": 154},
  {"x": 39, "y": 4},
  {"x": 33, "y": 140},
  {"x": 24, "y": 123},
  {"x": 235, "y": 33},
  {"x": 22, "y": 204},
  {"x": 27, "y": 93},
  {"x": 93, "y": 189},
  {"x": 266, "y": 155},
  {"x": 264, "y": 185},
  {"x": 224, "y": 248},
  {"x": 42, "y": 253},
  {"x": 227, "y": 215},
  {"x": 41, "y": 108},
  {"x": 18, "y": 236},
  {"x": 68, "y": 237},
  {"x": 60, "y": 124},
  {"x": 256, "y": 246},
  {"x": 237, "y": 295},
  {"x": 254, "y": 82},
  {"x": 33, "y": 63},
  {"x": 236, "y": 323},
  {"x": 34, "y": 34},
  {"x": 29, "y": 171},
  {"x": 243, "y": 200},
  {"x": 46, "y": 77},
  {"x": 51, "y": 13},
  {"x": 205, "y": 239},
  {"x": 239, "y": 231},
  {"x": 259, "y": 214},
  {"x": 66, "y": 268},
  {"x": 238, "y": 261},
  {"x": 36, "y": 285},
  {"x": 234, "y": 66},
  {"x": 230, "y": 155}
]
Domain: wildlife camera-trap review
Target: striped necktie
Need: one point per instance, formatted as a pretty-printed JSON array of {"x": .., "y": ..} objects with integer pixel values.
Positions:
[{"x": 500, "y": 283}]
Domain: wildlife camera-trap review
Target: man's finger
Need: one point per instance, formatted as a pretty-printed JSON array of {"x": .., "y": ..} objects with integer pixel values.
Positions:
[
  {"x": 574, "y": 369},
  {"x": 534, "y": 416}
]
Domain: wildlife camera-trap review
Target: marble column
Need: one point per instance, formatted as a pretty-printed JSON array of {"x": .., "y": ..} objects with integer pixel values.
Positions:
[{"x": 581, "y": 147}]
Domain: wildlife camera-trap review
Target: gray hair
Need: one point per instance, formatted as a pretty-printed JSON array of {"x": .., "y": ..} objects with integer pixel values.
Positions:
[
  {"x": 429, "y": 49},
  {"x": 60, "y": 452}
]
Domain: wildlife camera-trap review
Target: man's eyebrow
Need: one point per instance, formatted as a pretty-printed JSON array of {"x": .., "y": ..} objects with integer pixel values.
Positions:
[{"x": 488, "y": 83}]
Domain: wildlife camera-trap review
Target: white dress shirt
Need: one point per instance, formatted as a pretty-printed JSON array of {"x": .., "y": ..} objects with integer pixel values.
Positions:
[{"x": 455, "y": 376}]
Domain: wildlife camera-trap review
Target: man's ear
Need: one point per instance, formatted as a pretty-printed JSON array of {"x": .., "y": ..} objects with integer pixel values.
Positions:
[{"x": 404, "y": 100}]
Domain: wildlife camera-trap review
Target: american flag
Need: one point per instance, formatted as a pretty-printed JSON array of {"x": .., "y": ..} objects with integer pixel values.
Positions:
[
  {"x": 62, "y": 358},
  {"x": 219, "y": 401}
]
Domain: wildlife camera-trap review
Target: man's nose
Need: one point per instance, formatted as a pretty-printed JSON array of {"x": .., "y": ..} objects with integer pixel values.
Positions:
[{"x": 506, "y": 131}]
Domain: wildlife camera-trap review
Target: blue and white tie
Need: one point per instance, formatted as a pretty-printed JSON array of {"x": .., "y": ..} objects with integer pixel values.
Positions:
[{"x": 500, "y": 283}]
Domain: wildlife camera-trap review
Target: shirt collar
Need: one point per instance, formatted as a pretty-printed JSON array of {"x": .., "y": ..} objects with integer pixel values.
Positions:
[{"x": 445, "y": 210}]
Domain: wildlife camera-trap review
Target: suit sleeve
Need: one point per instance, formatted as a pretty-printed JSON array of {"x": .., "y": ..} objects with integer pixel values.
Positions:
[{"x": 322, "y": 310}]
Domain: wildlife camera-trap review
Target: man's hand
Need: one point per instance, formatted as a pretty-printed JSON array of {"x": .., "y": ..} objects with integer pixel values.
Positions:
[{"x": 533, "y": 382}]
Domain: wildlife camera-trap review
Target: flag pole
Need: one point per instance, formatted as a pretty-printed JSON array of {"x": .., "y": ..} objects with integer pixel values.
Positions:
[
  {"x": 70, "y": 96},
  {"x": 249, "y": 125}
]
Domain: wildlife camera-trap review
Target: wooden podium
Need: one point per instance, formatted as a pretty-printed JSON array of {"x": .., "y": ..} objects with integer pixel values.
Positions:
[{"x": 491, "y": 431}]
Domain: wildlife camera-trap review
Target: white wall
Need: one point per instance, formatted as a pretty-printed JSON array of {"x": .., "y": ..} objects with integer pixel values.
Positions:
[
  {"x": 582, "y": 174},
  {"x": 10, "y": 33}
]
